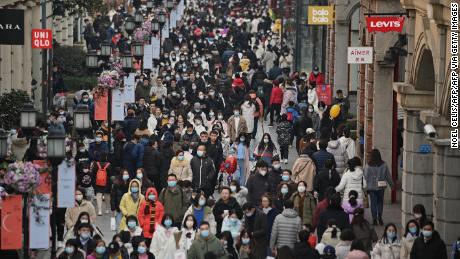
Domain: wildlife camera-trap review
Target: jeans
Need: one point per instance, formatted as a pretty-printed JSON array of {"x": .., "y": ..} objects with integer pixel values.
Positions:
[
  {"x": 118, "y": 217},
  {"x": 256, "y": 124},
  {"x": 242, "y": 172},
  {"x": 274, "y": 109},
  {"x": 376, "y": 203}
]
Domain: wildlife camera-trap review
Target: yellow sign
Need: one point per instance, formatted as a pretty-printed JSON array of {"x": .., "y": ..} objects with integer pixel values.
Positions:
[{"x": 320, "y": 15}]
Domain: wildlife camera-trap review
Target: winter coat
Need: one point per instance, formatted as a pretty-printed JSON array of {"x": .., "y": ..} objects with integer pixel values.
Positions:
[
  {"x": 247, "y": 112},
  {"x": 258, "y": 184},
  {"x": 365, "y": 234},
  {"x": 233, "y": 227},
  {"x": 313, "y": 98},
  {"x": 340, "y": 155},
  {"x": 174, "y": 202},
  {"x": 271, "y": 216},
  {"x": 144, "y": 219},
  {"x": 284, "y": 131},
  {"x": 304, "y": 170},
  {"x": 342, "y": 249},
  {"x": 352, "y": 180},
  {"x": 268, "y": 60},
  {"x": 128, "y": 160},
  {"x": 181, "y": 169},
  {"x": 96, "y": 150},
  {"x": 184, "y": 242},
  {"x": 290, "y": 94},
  {"x": 221, "y": 206},
  {"x": 208, "y": 216},
  {"x": 285, "y": 229},
  {"x": 234, "y": 132},
  {"x": 324, "y": 179},
  {"x": 309, "y": 206},
  {"x": 152, "y": 162},
  {"x": 341, "y": 219},
  {"x": 301, "y": 125},
  {"x": 327, "y": 238},
  {"x": 71, "y": 214},
  {"x": 320, "y": 156},
  {"x": 373, "y": 174},
  {"x": 241, "y": 196},
  {"x": 386, "y": 250},
  {"x": 201, "y": 246},
  {"x": 320, "y": 207},
  {"x": 128, "y": 206},
  {"x": 433, "y": 248},
  {"x": 349, "y": 145},
  {"x": 276, "y": 96},
  {"x": 118, "y": 190},
  {"x": 130, "y": 124},
  {"x": 258, "y": 225},
  {"x": 350, "y": 209},
  {"x": 203, "y": 172},
  {"x": 406, "y": 246},
  {"x": 162, "y": 245},
  {"x": 138, "y": 152},
  {"x": 303, "y": 250},
  {"x": 357, "y": 254}
]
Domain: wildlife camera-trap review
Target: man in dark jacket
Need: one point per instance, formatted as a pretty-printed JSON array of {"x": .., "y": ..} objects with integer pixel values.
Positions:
[
  {"x": 214, "y": 149},
  {"x": 225, "y": 203},
  {"x": 255, "y": 222},
  {"x": 97, "y": 148},
  {"x": 300, "y": 127},
  {"x": 333, "y": 211},
  {"x": 328, "y": 177},
  {"x": 260, "y": 182},
  {"x": 302, "y": 249},
  {"x": 130, "y": 124},
  {"x": 152, "y": 163},
  {"x": 429, "y": 244},
  {"x": 320, "y": 156},
  {"x": 203, "y": 171},
  {"x": 138, "y": 151},
  {"x": 128, "y": 160}
]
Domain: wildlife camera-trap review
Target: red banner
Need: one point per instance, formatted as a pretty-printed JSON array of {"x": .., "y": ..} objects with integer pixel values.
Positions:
[
  {"x": 100, "y": 107},
  {"x": 324, "y": 93},
  {"x": 11, "y": 218},
  {"x": 385, "y": 23},
  {"x": 45, "y": 178}
]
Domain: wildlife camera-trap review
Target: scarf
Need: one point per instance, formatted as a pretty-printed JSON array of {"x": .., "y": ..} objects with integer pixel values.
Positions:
[{"x": 150, "y": 209}]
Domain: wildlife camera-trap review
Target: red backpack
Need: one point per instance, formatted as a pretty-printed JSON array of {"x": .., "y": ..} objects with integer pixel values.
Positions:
[{"x": 101, "y": 175}]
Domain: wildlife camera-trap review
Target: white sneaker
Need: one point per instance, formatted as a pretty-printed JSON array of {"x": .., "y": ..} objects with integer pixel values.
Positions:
[
  {"x": 60, "y": 244},
  {"x": 285, "y": 161},
  {"x": 99, "y": 213}
]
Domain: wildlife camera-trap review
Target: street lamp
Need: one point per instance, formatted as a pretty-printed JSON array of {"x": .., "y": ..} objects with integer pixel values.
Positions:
[
  {"x": 155, "y": 26},
  {"x": 138, "y": 17},
  {"x": 127, "y": 61},
  {"x": 91, "y": 59},
  {"x": 130, "y": 24},
  {"x": 137, "y": 49},
  {"x": 161, "y": 18},
  {"x": 170, "y": 5},
  {"x": 82, "y": 118},
  {"x": 28, "y": 116},
  {"x": 3, "y": 143},
  {"x": 106, "y": 49},
  {"x": 56, "y": 144}
]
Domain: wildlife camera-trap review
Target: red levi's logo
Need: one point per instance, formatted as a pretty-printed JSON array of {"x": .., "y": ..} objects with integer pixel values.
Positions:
[{"x": 385, "y": 23}]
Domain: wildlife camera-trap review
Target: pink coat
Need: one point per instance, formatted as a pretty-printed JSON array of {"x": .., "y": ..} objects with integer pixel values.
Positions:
[
  {"x": 349, "y": 209},
  {"x": 357, "y": 254}
]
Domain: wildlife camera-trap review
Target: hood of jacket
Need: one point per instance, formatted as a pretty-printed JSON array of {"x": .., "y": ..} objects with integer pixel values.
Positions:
[
  {"x": 357, "y": 174},
  {"x": 333, "y": 144},
  {"x": 151, "y": 190},
  {"x": 130, "y": 183},
  {"x": 289, "y": 213}
]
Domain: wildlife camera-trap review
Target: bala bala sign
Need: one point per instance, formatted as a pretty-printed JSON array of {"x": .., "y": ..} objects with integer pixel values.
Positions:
[
  {"x": 385, "y": 23},
  {"x": 11, "y": 27}
]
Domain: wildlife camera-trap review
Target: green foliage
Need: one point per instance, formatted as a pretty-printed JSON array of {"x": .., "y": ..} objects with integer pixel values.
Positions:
[
  {"x": 10, "y": 107},
  {"x": 76, "y": 83},
  {"x": 71, "y": 59},
  {"x": 82, "y": 6}
]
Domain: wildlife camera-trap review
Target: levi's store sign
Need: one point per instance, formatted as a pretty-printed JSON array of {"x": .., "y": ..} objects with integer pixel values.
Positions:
[
  {"x": 385, "y": 23},
  {"x": 42, "y": 39}
]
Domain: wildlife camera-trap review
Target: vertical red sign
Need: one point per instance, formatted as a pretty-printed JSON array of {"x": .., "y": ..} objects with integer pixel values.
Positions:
[
  {"x": 324, "y": 93},
  {"x": 42, "y": 39},
  {"x": 11, "y": 219}
]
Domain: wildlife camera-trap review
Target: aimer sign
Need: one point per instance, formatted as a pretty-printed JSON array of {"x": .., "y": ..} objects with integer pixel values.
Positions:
[
  {"x": 42, "y": 39},
  {"x": 320, "y": 15},
  {"x": 360, "y": 55}
]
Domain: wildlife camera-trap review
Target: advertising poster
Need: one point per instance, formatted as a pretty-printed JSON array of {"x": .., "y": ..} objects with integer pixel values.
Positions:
[
  {"x": 11, "y": 217},
  {"x": 100, "y": 107},
  {"x": 39, "y": 222},
  {"x": 66, "y": 184}
]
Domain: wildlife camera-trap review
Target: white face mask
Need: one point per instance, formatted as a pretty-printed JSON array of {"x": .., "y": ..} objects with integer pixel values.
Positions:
[
  {"x": 301, "y": 189},
  {"x": 263, "y": 172}
]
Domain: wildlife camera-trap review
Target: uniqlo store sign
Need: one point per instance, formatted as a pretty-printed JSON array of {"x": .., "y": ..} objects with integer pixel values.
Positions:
[{"x": 385, "y": 23}]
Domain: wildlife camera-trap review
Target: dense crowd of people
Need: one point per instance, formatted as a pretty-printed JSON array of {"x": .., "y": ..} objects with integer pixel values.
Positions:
[{"x": 192, "y": 172}]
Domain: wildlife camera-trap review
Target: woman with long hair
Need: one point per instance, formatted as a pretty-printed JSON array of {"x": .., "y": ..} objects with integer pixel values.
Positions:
[
  {"x": 163, "y": 243},
  {"x": 266, "y": 149},
  {"x": 243, "y": 156},
  {"x": 378, "y": 177},
  {"x": 389, "y": 245},
  {"x": 119, "y": 188},
  {"x": 412, "y": 231},
  {"x": 363, "y": 230}
]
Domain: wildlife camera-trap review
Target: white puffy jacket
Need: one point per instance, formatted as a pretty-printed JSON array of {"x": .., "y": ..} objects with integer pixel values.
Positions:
[
  {"x": 352, "y": 180},
  {"x": 340, "y": 155}
]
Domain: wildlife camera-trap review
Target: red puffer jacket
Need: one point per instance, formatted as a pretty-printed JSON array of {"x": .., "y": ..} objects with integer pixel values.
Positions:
[
  {"x": 277, "y": 95},
  {"x": 144, "y": 219}
]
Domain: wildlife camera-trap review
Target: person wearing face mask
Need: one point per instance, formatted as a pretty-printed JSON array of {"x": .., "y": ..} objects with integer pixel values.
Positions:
[
  {"x": 232, "y": 224},
  {"x": 141, "y": 176},
  {"x": 389, "y": 245},
  {"x": 260, "y": 182},
  {"x": 419, "y": 213},
  {"x": 203, "y": 170},
  {"x": 214, "y": 102},
  {"x": 97, "y": 148},
  {"x": 255, "y": 222},
  {"x": 150, "y": 213},
  {"x": 285, "y": 228},
  {"x": 83, "y": 218},
  {"x": 412, "y": 231},
  {"x": 266, "y": 149},
  {"x": 100, "y": 252},
  {"x": 85, "y": 178},
  {"x": 130, "y": 201},
  {"x": 71, "y": 251},
  {"x": 228, "y": 242},
  {"x": 208, "y": 240},
  {"x": 152, "y": 161},
  {"x": 119, "y": 188},
  {"x": 102, "y": 172},
  {"x": 316, "y": 78},
  {"x": 163, "y": 243},
  {"x": 85, "y": 242},
  {"x": 236, "y": 125},
  {"x": 132, "y": 226},
  {"x": 246, "y": 247},
  {"x": 188, "y": 232},
  {"x": 243, "y": 156},
  {"x": 81, "y": 205},
  {"x": 239, "y": 192},
  {"x": 429, "y": 244},
  {"x": 180, "y": 167},
  {"x": 201, "y": 212},
  {"x": 304, "y": 203},
  {"x": 141, "y": 249},
  {"x": 174, "y": 200}
]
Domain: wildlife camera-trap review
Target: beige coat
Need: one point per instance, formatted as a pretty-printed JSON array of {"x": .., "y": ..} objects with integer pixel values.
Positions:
[
  {"x": 181, "y": 169},
  {"x": 71, "y": 214},
  {"x": 232, "y": 131},
  {"x": 304, "y": 170}
]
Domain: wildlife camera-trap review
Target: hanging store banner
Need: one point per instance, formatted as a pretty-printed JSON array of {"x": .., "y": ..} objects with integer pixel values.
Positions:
[
  {"x": 100, "y": 107},
  {"x": 66, "y": 184},
  {"x": 320, "y": 15},
  {"x": 39, "y": 222},
  {"x": 11, "y": 218},
  {"x": 360, "y": 55},
  {"x": 324, "y": 93},
  {"x": 11, "y": 27},
  {"x": 129, "y": 90},
  {"x": 385, "y": 23},
  {"x": 42, "y": 39},
  {"x": 45, "y": 178},
  {"x": 118, "y": 105}
]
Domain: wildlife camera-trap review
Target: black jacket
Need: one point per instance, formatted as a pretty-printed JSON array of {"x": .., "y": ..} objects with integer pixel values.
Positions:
[
  {"x": 301, "y": 125},
  {"x": 216, "y": 153},
  {"x": 130, "y": 124},
  {"x": 152, "y": 162},
  {"x": 221, "y": 206},
  {"x": 341, "y": 218},
  {"x": 257, "y": 225},
  {"x": 303, "y": 250},
  {"x": 325, "y": 179},
  {"x": 433, "y": 248},
  {"x": 203, "y": 171},
  {"x": 258, "y": 185},
  {"x": 118, "y": 189},
  {"x": 117, "y": 158}
]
